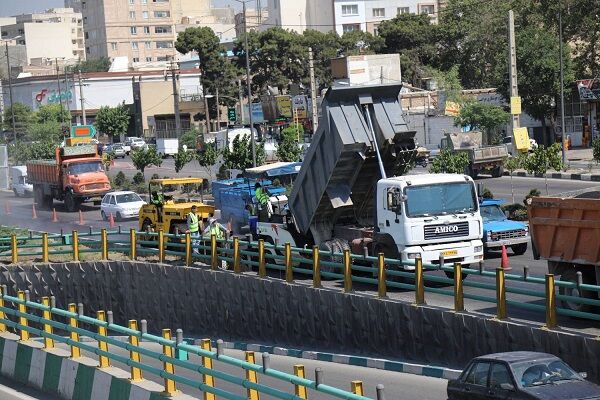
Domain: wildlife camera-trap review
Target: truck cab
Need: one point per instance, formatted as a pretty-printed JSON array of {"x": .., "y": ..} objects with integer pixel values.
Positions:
[
  {"x": 429, "y": 216},
  {"x": 499, "y": 231},
  {"x": 20, "y": 184}
]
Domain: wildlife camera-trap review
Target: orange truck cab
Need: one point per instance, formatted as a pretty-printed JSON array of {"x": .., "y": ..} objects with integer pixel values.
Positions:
[{"x": 76, "y": 176}]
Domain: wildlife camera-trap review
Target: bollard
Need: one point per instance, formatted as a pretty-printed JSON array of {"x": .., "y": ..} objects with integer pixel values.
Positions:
[
  {"x": 14, "y": 251},
  {"x": 45, "y": 256},
  {"x": 289, "y": 272},
  {"x": 262, "y": 267},
  {"x": 220, "y": 346},
  {"x": 236, "y": 255},
  {"x": 266, "y": 358},
  {"x": 104, "y": 244},
  {"x": 347, "y": 272},
  {"x": 75, "y": 246},
  {"x": 550, "y": 302},
  {"x": 109, "y": 317},
  {"x": 2, "y": 314},
  {"x": 143, "y": 327},
  {"x": 318, "y": 377},
  {"x": 180, "y": 354},
  {"x": 419, "y": 283},
  {"x": 207, "y": 363},
  {"x": 251, "y": 376},
  {"x": 299, "y": 389},
  {"x": 74, "y": 336},
  {"x": 459, "y": 300},
  {"x": 136, "y": 373},
  {"x": 214, "y": 258},
  {"x": 525, "y": 272},
  {"x": 170, "y": 387},
  {"x": 23, "y": 334},
  {"x": 46, "y": 314},
  {"x": 161, "y": 246},
  {"x": 500, "y": 294},
  {"x": 188, "y": 249},
  {"x": 357, "y": 388},
  {"x": 442, "y": 262},
  {"x": 316, "y": 267},
  {"x": 132, "y": 244},
  {"x": 103, "y": 361},
  {"x": 380, "y": 392},
  {"x": 381, "y": 278}
]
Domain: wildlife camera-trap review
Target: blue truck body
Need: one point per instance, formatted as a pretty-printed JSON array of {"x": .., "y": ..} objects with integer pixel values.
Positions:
[{"x": 499, "y": 231}]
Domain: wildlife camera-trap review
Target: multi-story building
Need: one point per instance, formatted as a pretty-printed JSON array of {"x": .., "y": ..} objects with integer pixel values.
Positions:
[
  {"x": 56, "y": 33},
  {"x": 299, "y": 15},
  {"x": 254, "y": 18}
]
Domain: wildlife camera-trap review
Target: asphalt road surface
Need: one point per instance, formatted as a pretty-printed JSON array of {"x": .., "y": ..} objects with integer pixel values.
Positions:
[{"x": 10, "y": 390}]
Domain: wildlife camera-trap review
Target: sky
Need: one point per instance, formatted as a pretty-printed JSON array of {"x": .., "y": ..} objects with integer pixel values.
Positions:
[{"x": 13, "y": 7}]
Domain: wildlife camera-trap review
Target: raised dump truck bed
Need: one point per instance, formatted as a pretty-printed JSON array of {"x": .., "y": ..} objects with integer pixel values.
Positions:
[{"x": 338, "y": 176}]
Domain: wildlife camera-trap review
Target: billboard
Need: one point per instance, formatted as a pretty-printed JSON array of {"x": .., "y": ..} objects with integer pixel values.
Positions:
[{"x": 284, "y": 106}]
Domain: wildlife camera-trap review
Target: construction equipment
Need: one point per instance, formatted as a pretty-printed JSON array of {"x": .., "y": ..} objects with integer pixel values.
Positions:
[{"x": 481, "y": 158}]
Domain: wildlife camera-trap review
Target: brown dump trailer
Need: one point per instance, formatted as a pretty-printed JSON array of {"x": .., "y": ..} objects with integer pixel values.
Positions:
[{"x": 566, "y": 232}]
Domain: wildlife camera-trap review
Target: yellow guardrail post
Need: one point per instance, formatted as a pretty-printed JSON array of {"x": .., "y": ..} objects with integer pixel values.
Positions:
[
  {"x": 381, "y": 278},
  {"x": 550, "y": 302},
  {"x": 75, "y": 246},
  {"x": 289, "y": 272},
  {"x": 500, "y": 294},
  {"x": 170, "y": 387},
  {"x": 45, "y": 255},
  {"x": 23, "y": 334},
  {"x": 188, "y": 249},
  {"x": 236, "y": 255},
  {"x": 46, "y": 314},
  {"x": 207, "y": 363},
  {"x": 161, "y": 246},
  {"x": 14, "y": 251},
  {"x": 316, "y": 262},
  {"x": 136, "y": 373},
  {"x": 300, "y": 390},
  {"x": 262, "y": 267},
  {"x": 102, "y": 345},
  {"x": 2, "y": 314},
  {"x": 132, "y": 244},
  {"x": 357, "y": 388},
  {"x": 251, "y": 376},
  {"x": 347, "y": 272},
  {"x": 459, "y": 300},
  {"x": 104, "y": 243},
  {"x": 74, "y": 336},
  {"x": 419, "y": 282},
  {"x": 214, "y": 258}
]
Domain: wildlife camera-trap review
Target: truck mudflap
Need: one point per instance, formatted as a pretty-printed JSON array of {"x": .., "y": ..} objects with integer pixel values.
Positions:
[{"x": 466, "y": 253}]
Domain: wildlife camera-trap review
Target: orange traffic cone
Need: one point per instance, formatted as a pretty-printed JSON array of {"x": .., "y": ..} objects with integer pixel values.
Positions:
[
  {"x": 81, "y": 218},
  {"x": 111, "y": 221},
  {"x": 33, "y": 212},
  {"x": 7, "y": 208},
  {"x": 505, "y": 264},
  {"x": 54, "y": 215}
]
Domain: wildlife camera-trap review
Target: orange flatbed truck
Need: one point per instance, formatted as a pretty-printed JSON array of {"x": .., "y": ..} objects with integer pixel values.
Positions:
[
  {"x": 75, "y": 176},
  {"x": 566, "y": 233}
]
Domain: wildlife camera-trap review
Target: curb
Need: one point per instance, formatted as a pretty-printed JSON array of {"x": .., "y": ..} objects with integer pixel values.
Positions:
[{"x": 557, "y": 175}]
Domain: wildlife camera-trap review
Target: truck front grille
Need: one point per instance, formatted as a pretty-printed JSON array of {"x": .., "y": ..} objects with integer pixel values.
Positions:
[
  {"x": 510, "y": 234},
  {"x": 94, "y": 186},
  {"x": 446, "y": 231}
]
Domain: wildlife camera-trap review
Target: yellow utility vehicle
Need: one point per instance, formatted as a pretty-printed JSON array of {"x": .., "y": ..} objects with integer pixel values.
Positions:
[{"x": 165, "y": 213}]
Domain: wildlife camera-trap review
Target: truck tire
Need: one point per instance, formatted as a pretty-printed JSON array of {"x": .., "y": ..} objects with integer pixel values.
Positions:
[
  {"x": 571, "y": 276},
  {"x": 498, "y": 172},
  {"x": 38, "y": 196},
  {"x": 519, "y": 249},
  {"x": 71, "y": 203},
  {"x": 16, "y": 193},
  {"x": 48, "y": 202},
  {"x": 330, "y": 246}
]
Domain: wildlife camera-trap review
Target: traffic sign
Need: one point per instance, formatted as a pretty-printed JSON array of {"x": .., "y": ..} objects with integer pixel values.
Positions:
[
  {"x": 83, "y": 131},
  {"x": 231, "y": 114}
]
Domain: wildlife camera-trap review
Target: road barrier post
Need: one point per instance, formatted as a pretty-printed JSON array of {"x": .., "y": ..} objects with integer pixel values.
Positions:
[
  {"x": 74, "y": 336},
  {"x": 23, "y": 333},
  {"x": 347, "y": 272},
  {"x": 262, "y": 267},
  {"x": 381, "y": 285},
  {"x": 161, "y": 246},
  {"x": 188, "y": 249},
  {"x": 316, "y": 262},
  {"x": 104, "y": 243},
  {"x": 46, "y": 314},
  {"x": 133, "y": 244},
  {"x": 459, "y": 300},
  {"x": 75, "y": 246},
  {"x": 500, "y": 294},
  {"x": 289, "y": 272},
  {"x": 550, "y": 302},
  {"x": 136, "y": 373},
  {"x": 14, "y": 251},
  {"x": 299, "y": 389},
  {"x": 380, "y": 392},
  {"x": 45, "y": 256},
  {"x": 207, "y": 363},
  {"x": 170, "y": 386},
  {"x": 419, "y": 283},
  {"x": 251, "y": 376},
  {"x": 2, "y": 314},
  {"x": 103, "y": 361},
  {"x": 214, "y": 258},
  {"x": 236, "y": 255},
  {"x": 357, "y": 388}
]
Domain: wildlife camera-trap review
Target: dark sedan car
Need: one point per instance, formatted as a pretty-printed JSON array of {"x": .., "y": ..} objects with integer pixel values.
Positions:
[{"x": 521, "y": 375}]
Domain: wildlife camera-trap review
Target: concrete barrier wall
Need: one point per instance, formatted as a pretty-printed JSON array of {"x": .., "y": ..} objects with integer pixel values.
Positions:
[{"x": 246, "y": 308}]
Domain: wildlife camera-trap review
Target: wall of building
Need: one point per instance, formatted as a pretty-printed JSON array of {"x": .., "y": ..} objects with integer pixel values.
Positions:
[{"x": 48, "y": 41}]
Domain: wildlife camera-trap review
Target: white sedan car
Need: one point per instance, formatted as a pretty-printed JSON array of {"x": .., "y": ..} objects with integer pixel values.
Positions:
[{"x": 124, "y": 204}]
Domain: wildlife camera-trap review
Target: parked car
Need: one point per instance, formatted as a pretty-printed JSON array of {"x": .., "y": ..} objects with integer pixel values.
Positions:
[
  {"x": 136, "y": 143},
  {"x": 500, "y": 231},
  {"x": 20, "y": 185},
  {"x": 123, "y": 204},
  {"x": 521, "y": 375},
  {"x": 126, "y": 147},
  {"x": 116, "y": 150}
]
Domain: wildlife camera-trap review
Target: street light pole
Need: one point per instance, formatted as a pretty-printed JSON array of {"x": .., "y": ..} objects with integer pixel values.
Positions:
[
  {"x": 10, "y": 92},
  {"x": 562, "y": 89},
  {"x": 252, "y": 138}
]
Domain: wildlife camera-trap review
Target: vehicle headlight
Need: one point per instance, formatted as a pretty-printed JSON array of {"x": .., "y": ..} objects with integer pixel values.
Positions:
[
  {"x": 412, "y": 256},
  {"x": 82, "y": 187},
  {"x": 478, "y": 249}
]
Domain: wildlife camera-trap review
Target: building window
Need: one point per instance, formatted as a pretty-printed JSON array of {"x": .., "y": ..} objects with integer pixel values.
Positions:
[
  {"x": 148, "y": 59},
  {"x": 148, "y": 45},
  {"x": 427, "y": 9},
  {"x": 134, "y": 45},
  {"x": 162, "y": 58},
  {"x": 136, "y": 59},
  {"x": 145, "y": 14},
  {"x": 147, "y": 30},
  {"x": 164, "y": 45},
  {"x": 350, "y": 27},
  {"x": 162, "y": 14},
  {"x": 379, "y": 12},
  {"x": 350, "y": 9},
  {"x": 376, "y": 29},
  {"x": 133, "y": 30},
  {"x": 131, "y": 14},
  {"x": 162, "y": 29},
  {"x": 144, "y": 1},
  {"x": 403, "y": 10},
  {"x": 131, "y": 2},
  {"x": 113, "y": 45}
]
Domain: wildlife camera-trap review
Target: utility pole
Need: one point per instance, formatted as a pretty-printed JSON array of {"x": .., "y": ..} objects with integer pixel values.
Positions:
[
  {"x": 67, "y": 97},
  {"x": 12, "y": 110},
  {"x": 174, "y": 78},
  {"x": 515, "y": 121},
  {"x": 206, "y": 113},
  {"x": 313, "y": 90},
  {"x": 62, "y": 119},
  {"x": 241, "y": 100},
  {"x": 81, "y": 100},
  {"x": 252, "y": 138},
  {"x": 218, "y": 111},
  {"x": 562, "y": 88}
]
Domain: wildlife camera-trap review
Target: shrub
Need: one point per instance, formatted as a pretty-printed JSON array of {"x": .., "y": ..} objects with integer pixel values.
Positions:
[
  {"x": 120, "y": 179},
  {"x": 138, "y": 178}
]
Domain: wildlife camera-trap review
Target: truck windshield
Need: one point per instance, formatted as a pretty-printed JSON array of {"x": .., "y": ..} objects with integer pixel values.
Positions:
[
  {"x": 492, "y": 213},
  {"x": 84, "y": 167},
  {"x": 440, "y": 199}
]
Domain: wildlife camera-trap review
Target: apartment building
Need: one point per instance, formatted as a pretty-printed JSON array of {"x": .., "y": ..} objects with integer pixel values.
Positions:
[
  {"x": 254, "y": 17},
  {"x": 55, "y": 33},
  {"x": 299, "y": 15}
]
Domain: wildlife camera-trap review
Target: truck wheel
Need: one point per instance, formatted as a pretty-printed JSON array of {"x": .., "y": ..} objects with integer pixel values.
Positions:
[
  {"x": 147, "y": 227},
  {"x": 70, "y": 202},
  {"x": 519, "y": 249},
  {"x": 330, "y": 246},
  {"x": 48, "y": 202},
  {"x": 497, "y": 172},
  {"x": 38, "y": 197},
  {"x": 571, "y": 276},
  {"x": 16, "y": 193}
]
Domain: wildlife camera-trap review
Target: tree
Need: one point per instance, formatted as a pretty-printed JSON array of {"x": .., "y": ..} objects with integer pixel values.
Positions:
[
  {"x": 113, "y": 121},
  {"x": 207, "y": 158},
  {"x": 481, "y": 116},
  {"x": 513, "y": 163},
  {"x": 360, "y": 42},
  {"x": 542, "y": 159},
  {"x": 189, "y": 139},
  {"x": 241, "y": 155},
  {"x": 325, "y": 46},
  {"x": 23, "y": 117},
  {"x": 52, "y": 113},
  {"x": 101, "y": 64},
  {"x": 181, "y": 159},
  {"x": 596, "y": 149},
  {"x": 144, "y": 158},
  {"x": 450, "y": 162},
  {"x": 288, "y": 149},
  {"x": 47, "y": 123},
  {"x": 24, "y": 152}
]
